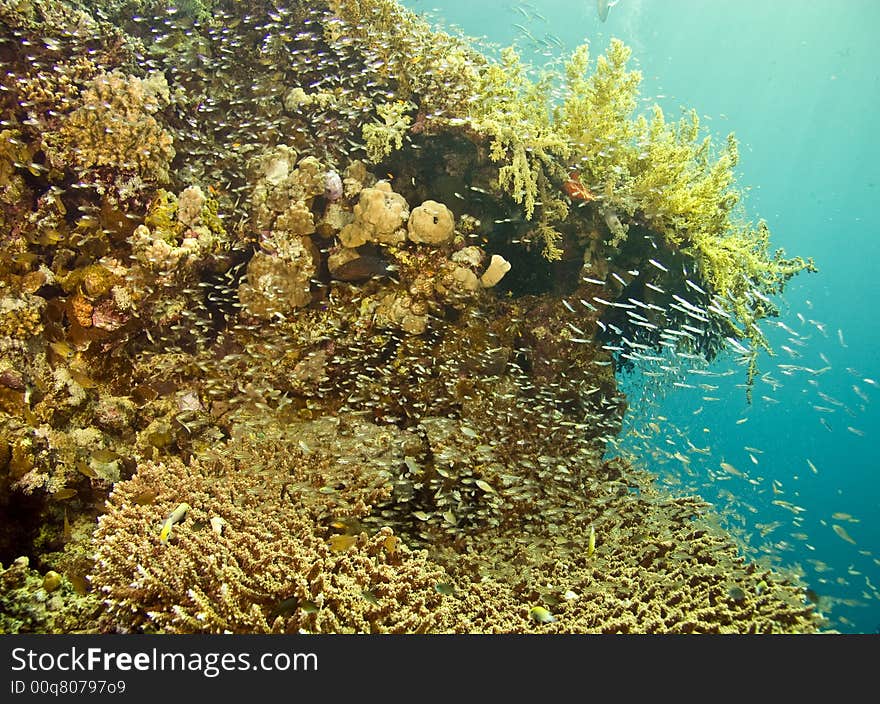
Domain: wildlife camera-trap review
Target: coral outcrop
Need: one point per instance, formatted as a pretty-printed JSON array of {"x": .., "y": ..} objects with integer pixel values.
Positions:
[
  {"x": 379, "y": 216},
  {"x": 324, "y": 336}
]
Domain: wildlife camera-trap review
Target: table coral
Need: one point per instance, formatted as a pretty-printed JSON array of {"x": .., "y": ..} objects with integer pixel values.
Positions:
[{"x": 242, "y": 580}]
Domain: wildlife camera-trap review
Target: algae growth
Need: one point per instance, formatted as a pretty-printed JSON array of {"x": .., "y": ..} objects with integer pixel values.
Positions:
[{"x": 310, "y": 317}]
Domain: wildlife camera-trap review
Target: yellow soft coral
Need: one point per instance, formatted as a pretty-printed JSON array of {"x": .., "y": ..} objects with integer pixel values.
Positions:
[
  {"x": 595, "y": 115},
  {"x": 384, "y": 137},
  {"x": 512, "y": 111},
  {"x": 739, "y": 270},
  {"x": 681, "y": 192}
]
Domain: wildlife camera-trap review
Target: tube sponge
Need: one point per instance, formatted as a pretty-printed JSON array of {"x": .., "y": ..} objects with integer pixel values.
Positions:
[{"x": 498, "y": 267}]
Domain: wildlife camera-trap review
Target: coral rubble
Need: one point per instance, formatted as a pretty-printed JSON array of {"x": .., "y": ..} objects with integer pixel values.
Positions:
[{"x": 322, "y": 335}]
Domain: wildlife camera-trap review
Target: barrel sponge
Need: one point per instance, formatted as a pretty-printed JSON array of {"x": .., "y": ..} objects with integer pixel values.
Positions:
[{"x": 432, "y": 223}]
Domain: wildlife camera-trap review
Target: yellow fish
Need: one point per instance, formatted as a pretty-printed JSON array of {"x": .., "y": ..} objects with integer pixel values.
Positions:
[{"x": 177, "y": 515}]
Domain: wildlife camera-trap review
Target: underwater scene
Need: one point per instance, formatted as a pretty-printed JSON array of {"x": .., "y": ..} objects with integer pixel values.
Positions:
[{"x": 367, "y": 316}]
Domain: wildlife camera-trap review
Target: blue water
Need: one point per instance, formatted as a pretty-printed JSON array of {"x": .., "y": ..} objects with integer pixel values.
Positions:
[{"x": 798, "y": 81}]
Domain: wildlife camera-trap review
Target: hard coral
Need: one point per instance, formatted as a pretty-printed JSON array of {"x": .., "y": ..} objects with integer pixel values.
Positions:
[
  {"x": 379, "y": 216},
  {"x": 284, "y": 190},
  {"x": 34, "y": 603},
  {"x": 177, "y": 234},
  {"x": 115, "y": 127},
  {"x": 270, "y": 568}
]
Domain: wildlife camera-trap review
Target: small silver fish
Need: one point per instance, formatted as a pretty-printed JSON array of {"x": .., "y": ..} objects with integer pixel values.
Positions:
[{"x": 603, "y": 7}]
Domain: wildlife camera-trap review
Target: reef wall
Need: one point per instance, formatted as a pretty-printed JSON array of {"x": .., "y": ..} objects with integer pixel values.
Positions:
[{"x": 310, "y": 316}]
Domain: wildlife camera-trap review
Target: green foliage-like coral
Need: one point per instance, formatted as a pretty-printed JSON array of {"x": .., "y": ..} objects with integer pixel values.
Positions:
[
  {"x": 665, "y": 175},
  {"x": 681, "y": 192},
  {"x": 725, "y": 258},
  {"x": 513, "y": 113},
  {"x": 384, "y": 137}
]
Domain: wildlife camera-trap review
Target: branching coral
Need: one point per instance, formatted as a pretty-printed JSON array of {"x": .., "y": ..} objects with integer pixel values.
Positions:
[{"x": 269, "y": 565}]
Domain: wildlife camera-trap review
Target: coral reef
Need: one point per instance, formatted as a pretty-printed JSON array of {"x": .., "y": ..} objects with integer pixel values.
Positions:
[
  {"x": 323, "y": 336},
  {"x": 115, "y": 127},
  {"x": 34, "y": 603}
]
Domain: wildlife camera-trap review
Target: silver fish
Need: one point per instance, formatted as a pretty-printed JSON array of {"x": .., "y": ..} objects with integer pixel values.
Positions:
[{"x": 603, "y": 7}]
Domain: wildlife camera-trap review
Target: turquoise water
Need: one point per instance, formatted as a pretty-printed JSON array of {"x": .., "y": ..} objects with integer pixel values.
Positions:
[{"x": 798, "y": 81}]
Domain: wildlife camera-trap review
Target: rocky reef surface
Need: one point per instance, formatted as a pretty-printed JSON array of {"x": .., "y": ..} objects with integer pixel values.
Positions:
[{"x": 310, "y": 316}]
